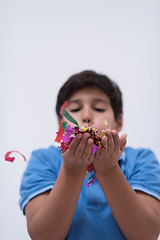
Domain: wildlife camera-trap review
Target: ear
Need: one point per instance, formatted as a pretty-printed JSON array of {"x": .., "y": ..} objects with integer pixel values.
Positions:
[{"x": 119, "y": 122}]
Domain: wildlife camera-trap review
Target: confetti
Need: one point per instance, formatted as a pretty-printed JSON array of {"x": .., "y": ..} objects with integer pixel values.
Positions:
[
  {"x": 105, "y": 122},
  {"x": 103, "y": 133},
  {"x": 94, "y": 148},
  {"x": 70, "y": 118},
  {"x": 90, "y": 182},
  {"x": 11, "y": 159},
  {"x": 66, "y": 133},
  {"x": 59, "y": 134},
  {"x": 64, "y": 125},
  {"x": 63, "y": 107}
]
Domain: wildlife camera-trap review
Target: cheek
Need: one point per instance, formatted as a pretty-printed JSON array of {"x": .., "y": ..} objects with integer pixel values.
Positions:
[
  {"x": 76, "y": 116},
  {"x": 100, "y": 122}
]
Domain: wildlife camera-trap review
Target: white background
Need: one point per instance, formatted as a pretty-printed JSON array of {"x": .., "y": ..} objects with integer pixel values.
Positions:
[{"x": 42, "y": 43}]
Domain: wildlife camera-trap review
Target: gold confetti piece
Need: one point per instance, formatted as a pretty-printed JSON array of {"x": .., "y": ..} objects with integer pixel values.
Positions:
[
  {"x": 106, "y": 123},
  {"x": 103, "y": 133},
  {"x": 85, "y": 175},
  {"x": 84, "y": 128}
]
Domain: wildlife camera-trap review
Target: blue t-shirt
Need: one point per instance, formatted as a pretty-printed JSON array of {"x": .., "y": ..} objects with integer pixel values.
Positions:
[{"x": 93, "y": 218}]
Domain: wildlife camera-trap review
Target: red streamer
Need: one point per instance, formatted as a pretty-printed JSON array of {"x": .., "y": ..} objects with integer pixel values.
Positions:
[
  {"x": 11, "y": 159},
  {"x": 63, "y": 107},
  {"x": 59, "y": 134}
]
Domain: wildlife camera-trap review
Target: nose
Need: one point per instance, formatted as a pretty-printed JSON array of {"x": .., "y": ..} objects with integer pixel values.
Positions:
[
  {"x": 87, "y": 117},
  {"x": 86, "y": 120}
]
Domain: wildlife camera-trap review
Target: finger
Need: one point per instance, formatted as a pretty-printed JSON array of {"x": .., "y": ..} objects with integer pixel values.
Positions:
[
  {"x": 116, "y": 140},
  {"x": 82, "y": 144},
  {"x": 103, "y": 133},
  {"x": 110, "y": 142},
  {"x": 123, "y": 141},
  {"x": 74, "y": 144},
  {"x": 88, "y": 149},
  {"x": 104, "y": 142},
  {"x": 105, "y": 138},
  {"x": 104, "y": 147}
]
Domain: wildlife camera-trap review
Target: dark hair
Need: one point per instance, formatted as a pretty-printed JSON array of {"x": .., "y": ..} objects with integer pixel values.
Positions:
[{"x": 87, "y": 79}]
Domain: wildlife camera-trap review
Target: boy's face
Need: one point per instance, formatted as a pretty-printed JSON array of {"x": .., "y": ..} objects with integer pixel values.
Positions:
[{"x": 92, "y": 105}]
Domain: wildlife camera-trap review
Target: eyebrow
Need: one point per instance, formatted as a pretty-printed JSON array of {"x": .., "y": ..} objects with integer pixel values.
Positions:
[{"x": 94, "y": 100}]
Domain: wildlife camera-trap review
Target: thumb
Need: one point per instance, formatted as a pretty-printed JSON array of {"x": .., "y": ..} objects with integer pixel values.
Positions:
[{"x": 123, "y": 141}]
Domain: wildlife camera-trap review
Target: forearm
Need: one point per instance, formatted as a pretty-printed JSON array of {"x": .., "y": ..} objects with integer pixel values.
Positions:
[
  {"x": 54, "y": 217},
  {"x": 135, "y": 218}
]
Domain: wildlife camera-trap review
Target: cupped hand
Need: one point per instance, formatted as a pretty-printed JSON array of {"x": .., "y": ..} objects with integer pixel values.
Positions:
[
  {"x": 79, "y": 153},
  {"x": 108, "y": 154}
]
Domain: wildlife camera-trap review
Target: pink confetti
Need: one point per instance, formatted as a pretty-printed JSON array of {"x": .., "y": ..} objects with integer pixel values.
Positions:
[
  {"x": 94, "y": 148},
  {"x": 68, "y": 132},
  {"x": 65, "y": 138},
  {"x": 90, "y": 182},
  {"x": 71, "y": 139}
]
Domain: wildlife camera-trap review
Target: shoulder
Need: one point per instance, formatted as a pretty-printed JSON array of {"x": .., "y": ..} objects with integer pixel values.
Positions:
[
  {"x": 40, "y": 174},
  {"x": 135, "y": 152},
  {"x": 135, "y": 156},
  {"x": 43, "y": 162},
  {"x": 48, "y": 152},
  {"x": 142, "y": 170},
  {"x": 46, "y": 156},
  {"x": 140, "y": 159}
]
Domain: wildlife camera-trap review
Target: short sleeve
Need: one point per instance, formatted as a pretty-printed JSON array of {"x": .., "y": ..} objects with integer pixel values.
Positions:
[
  {"x": 145, "y": 176},
  {"x": 40, "y": 175}
]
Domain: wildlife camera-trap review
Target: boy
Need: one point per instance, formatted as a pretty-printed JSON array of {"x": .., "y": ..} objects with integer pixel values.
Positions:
[{"x": 118, "y": 200}]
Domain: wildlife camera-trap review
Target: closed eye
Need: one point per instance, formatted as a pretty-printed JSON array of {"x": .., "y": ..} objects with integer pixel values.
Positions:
[
  {"x": 75, "y": 110},
  {"x": 99, "y": 109}
]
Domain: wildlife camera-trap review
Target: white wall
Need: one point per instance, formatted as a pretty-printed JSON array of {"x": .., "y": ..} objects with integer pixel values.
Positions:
[{"x": 41, "y": 44}]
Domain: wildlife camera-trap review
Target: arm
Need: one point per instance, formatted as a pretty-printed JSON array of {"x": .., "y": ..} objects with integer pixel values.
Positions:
[
  {"x": 50, "y": 215},
  {"x": 136, "y": 213}
]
